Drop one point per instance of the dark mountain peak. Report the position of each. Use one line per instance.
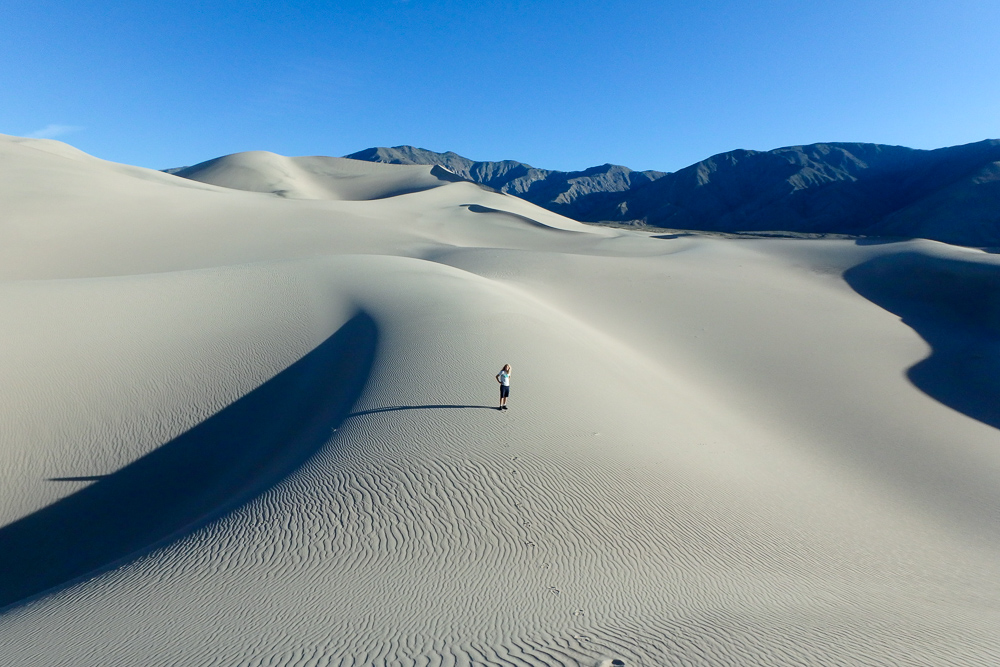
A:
(606, 168)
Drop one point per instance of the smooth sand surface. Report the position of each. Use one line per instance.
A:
(250, 419)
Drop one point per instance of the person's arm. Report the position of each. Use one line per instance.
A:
(498, 378)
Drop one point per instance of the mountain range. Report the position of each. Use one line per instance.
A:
(948, 194)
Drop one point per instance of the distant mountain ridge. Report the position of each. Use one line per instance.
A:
(569, 193)
(949, 194)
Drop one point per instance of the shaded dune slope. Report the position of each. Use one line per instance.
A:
(212, 468)
(955, 306)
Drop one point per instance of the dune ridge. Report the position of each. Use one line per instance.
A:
(718, 452)
(314, 177)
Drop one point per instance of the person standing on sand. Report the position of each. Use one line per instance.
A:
(503, 377)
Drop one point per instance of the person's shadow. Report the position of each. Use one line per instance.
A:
(421, 407)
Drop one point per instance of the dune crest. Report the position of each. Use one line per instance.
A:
(315, 177)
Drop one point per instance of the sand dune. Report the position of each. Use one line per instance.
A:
(243, 429)
(315, 177)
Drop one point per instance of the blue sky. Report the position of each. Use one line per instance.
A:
(562, 85)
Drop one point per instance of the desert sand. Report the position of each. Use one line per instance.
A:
(250, 419)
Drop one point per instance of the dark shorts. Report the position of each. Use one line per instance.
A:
(504, 391)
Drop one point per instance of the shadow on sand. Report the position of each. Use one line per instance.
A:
(954, 305)
(420, 407)
(198, 476)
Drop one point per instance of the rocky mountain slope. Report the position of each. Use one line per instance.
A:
(949, 194)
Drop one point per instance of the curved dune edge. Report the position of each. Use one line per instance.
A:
(523, 219)
(208, 470)
(952, 304)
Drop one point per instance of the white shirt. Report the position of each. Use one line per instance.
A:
(504, 378)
